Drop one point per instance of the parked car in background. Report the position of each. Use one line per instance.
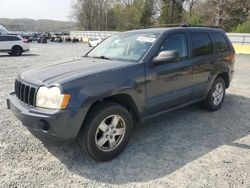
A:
(13, 45)
(93, 42)
(129, 77)
(27, 36)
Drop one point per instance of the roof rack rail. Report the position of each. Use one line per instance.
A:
(163, 25)
(208, 26)
(179, 25)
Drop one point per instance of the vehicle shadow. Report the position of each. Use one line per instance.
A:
(162, 146)
(23, 55)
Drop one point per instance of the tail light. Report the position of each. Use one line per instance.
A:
(25, 41)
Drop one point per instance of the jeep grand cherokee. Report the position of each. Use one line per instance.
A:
(129, 77)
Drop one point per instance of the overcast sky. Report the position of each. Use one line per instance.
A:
(36, 9)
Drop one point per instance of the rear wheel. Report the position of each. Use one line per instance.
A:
(106, 132)
(17, 51)
(216, 95)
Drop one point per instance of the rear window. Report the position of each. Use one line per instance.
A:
(202, 44)
(220, 43)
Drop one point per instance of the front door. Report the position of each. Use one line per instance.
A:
(169, 84)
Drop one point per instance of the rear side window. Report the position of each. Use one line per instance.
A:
(202, 44)
(11, 38)
(220, 43)
(177, 42)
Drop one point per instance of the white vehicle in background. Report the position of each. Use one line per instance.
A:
(13, 45)
(93, 42)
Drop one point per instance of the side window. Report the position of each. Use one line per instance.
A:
(176, 42)
(220, 43)
(6, 38)
(15, 38)
(11, 38)
(202, 44)
(2, 38)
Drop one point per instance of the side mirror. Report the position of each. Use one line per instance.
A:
(167, 56)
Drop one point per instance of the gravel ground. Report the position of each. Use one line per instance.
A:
(189, 147)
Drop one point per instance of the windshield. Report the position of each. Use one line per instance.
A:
(3, 30)
(130, 46)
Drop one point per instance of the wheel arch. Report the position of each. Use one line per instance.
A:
(16, 45)
(122, 99)
(225, 76)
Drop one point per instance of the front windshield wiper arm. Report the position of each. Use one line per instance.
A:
(102, 57)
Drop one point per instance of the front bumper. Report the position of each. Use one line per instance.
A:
(50, 126)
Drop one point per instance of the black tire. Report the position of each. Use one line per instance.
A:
(209, 103)
(87, 136)
(17, 51)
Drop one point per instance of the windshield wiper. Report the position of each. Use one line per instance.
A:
(102, 57)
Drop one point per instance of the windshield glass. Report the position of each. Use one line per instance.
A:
(3, 30)
(130, 46)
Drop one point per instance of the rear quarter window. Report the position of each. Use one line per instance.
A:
(202, 44)
(220, 43)
(11, 38)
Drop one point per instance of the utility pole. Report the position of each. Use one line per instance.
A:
(172, 12)
(106, 20)
(106, 11)
(220, 9)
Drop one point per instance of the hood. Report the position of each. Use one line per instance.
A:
(66, 71)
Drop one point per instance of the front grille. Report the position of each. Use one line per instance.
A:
(25, 93)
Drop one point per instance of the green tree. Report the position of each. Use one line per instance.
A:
(194, 21)
(226, 14)
(147, 13)
(243, 28)
(128, 15)
(171, 11)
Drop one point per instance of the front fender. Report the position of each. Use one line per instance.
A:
(87, 90)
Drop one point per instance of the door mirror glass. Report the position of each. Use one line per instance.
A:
(167, 56)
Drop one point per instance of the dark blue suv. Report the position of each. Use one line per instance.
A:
(129, 77)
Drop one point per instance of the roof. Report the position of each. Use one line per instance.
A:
(163, 29)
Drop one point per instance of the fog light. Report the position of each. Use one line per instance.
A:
(44, 125)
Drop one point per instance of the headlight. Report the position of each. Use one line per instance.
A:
(51, 98)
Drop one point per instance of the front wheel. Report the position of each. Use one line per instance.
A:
(106, 132)
(216, 95)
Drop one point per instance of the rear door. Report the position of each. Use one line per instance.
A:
(4, 45)
(202, 61)
(8, 42)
